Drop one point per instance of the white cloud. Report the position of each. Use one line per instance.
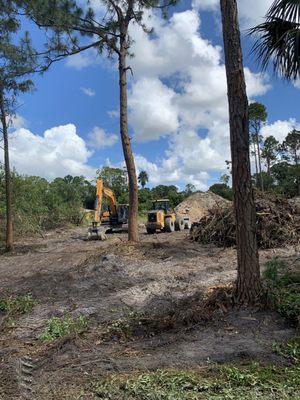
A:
(58, 152)
(152, 110)
(88, 91)
(179, 92)
(250, 13)
(16, 122)
(168, 172)
(99, 139)
(279, 129)
(84, 59)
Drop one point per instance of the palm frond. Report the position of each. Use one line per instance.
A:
(279, 39)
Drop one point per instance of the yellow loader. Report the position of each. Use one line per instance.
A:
(162, 218)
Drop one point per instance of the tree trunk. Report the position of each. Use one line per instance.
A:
(248, 273)
(8, 196)
(268, 161)
(256, 164)
(259, 162)
(133, 235)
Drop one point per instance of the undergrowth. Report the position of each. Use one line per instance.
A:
(289, 350)
(283, 289)
(218, 383)
(14, 305)
(60, 327)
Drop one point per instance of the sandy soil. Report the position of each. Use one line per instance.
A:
(109, 280)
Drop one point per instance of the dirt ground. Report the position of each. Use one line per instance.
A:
(106, 281)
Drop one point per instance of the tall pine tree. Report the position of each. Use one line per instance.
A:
(76, 29)
(16, 61)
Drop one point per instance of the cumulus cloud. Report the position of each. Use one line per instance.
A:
(279, 129)
(58, 152)
(152, 109)
(16, 122)
(83, 59)
(99, 139)
(249, 15)
(179, 92)
(88, 91)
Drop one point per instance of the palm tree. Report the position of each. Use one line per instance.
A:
(279, 39)
(143, 178)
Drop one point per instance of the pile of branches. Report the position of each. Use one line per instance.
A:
(277, 224)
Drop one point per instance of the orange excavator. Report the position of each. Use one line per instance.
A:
(107, 221)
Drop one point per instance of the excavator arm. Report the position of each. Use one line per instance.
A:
(99, 199)
(109, 195)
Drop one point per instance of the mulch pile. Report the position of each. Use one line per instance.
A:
(198, 205)
(278, 224)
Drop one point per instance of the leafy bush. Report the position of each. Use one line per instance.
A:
(60, 327)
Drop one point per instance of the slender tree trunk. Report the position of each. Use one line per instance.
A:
(268, 166)
(133, 235)
(256, 164)
(248, 273)
(9, 224)
(259, 162)
(298, 177)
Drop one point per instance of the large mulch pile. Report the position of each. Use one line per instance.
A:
(198, 205)
(278, 224)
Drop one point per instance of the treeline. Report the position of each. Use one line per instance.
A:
(277, 167)
(39, 205)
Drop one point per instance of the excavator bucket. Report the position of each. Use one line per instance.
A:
(96, 233)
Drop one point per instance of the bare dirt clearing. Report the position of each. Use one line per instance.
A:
(114, 281)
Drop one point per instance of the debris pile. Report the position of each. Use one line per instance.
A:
(278, 224)
(198, 205)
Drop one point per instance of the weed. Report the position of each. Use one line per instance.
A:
(213, 383)
(17, 305)
(283, 289)
(290, 350)
(272, 267)
(60, 327)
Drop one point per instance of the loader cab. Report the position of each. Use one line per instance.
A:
(161, 204)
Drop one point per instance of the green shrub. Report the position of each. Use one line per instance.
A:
(59, 327)
(17, 305)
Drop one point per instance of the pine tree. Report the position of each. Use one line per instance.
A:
(108, 34)
(16, 61)
(248, 272)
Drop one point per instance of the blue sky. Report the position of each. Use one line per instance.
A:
(177, 104)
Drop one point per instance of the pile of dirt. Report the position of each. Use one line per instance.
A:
(278, 224)
(198, 205)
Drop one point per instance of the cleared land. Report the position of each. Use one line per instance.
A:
(142, 308)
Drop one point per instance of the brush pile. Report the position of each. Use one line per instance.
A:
(278, 224)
